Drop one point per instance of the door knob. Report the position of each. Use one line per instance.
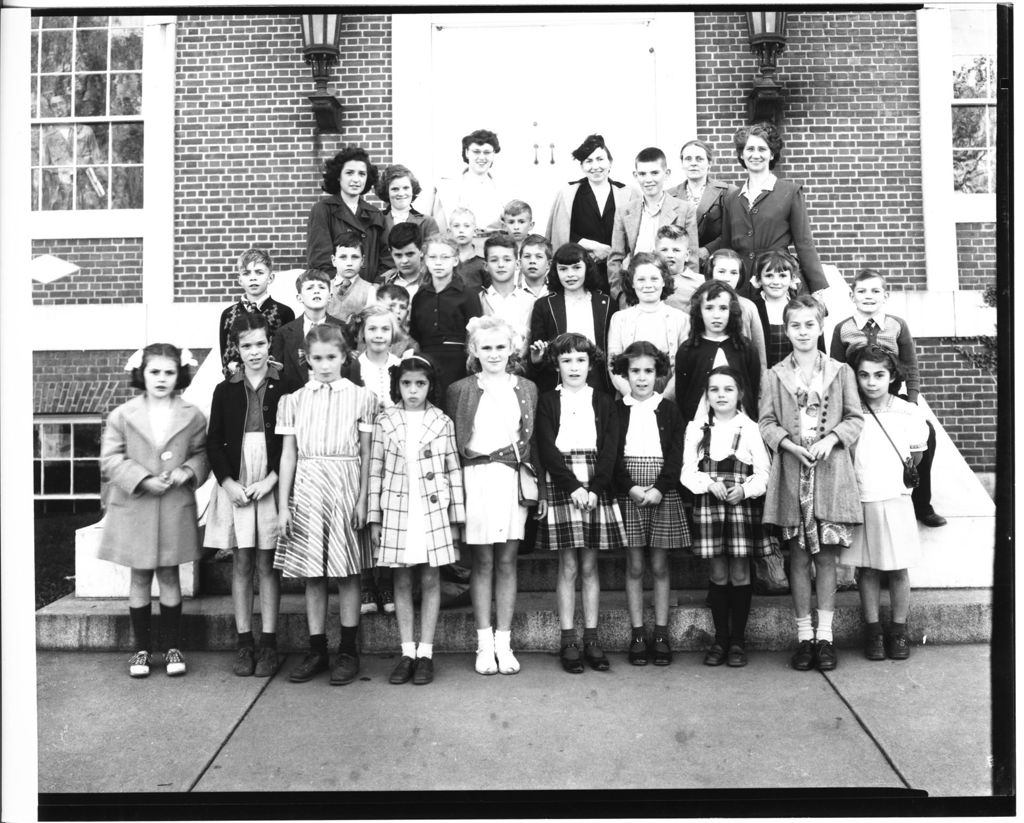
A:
(552, 154)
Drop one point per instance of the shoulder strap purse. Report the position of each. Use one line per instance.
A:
(911, 477)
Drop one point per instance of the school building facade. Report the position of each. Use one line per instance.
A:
(202, 143)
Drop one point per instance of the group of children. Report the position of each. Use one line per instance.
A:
(397, 422)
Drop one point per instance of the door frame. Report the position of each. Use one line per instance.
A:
(414, 91)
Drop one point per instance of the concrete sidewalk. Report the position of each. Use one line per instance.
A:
(921, 724)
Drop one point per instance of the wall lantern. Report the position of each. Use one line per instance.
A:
(767, 34)
(321, 34)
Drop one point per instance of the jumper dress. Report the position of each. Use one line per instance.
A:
(723, 528)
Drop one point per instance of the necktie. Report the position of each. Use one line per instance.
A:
(871, 330)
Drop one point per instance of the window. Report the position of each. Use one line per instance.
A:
(87, 125)
(66, 458)
(974, 100)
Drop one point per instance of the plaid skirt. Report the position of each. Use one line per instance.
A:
(664, 526)
(571, 528)
(723, 528)
(812, 533)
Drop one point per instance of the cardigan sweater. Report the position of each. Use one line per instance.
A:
(549, 320)
(227, 425)
(549, 418)
(893, 336)
(670, 432)
(464, 400)
(836, 497)
(694, 363)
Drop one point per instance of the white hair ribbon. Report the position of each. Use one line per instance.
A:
(135, 361)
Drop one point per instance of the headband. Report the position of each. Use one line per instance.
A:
(410, 354)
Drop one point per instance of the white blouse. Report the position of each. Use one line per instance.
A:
(577, 426)
(497, 419)
(579, 316)
(875, 461)
(642, 438)
(377, 379)
(751, 450)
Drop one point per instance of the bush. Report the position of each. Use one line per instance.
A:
(55, 554)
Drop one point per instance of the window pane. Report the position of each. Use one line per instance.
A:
(87, 439)
(90, 95)
(92, 187)
(55, 439)
(969, 126)
(35, 53)
(51, 87)
(126, 94)
(971, 172)
(57, 477)
(35, 189)
(974, 30)
(126, 49)
(87, 477)
(57, 190)
(992, 118)
(126, 143)
(129, 22)
(86, 21)
(37, 477)
(92, 51)
(34, 145)
(127, 188)
(58, 22)
(34, 104)
(971, 76)
(56, 47)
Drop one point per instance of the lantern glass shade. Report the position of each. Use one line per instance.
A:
(766, 26)
(321, 32)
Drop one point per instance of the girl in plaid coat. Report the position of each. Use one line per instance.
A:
(415, 505)
(577, 444)
(726, 465)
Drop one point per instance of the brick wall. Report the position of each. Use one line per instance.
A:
(248, 162)
(83, 382)
(976, 254)
(110, 271)
(963, 398)
(851, 127)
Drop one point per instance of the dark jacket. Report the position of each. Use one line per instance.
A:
(693, 364)
(287, 348)
(670, 432)
(549, 415)
(330, 218)
(709, 213)
(548, 321)
(227, 425)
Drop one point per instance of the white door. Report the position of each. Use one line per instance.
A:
(542, 83)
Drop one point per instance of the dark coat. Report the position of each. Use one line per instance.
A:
(330, 218)
(710, 211)
(288, 349)
(548, 321)
(693, 364)
(670, 433)
(549, 417)
(228, 411)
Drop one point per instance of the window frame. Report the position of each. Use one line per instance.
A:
(73, 420)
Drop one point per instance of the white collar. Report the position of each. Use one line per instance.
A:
(768, 186)
(335, 385)
(577, 398)
(861, 319)
(649, 404)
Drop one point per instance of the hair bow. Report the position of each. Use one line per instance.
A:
(188, 359)
(135, 361)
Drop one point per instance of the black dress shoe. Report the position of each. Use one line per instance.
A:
(424, 673)
(825, 656)
(803, 660)
(312, 664)
(402, 673)
(572, 660)
(874, 647)
(638, 653)
(932, 519)
(899, 647)
(715, 655)
(346, 668)
(737, 656)
(661, 651)
(595, 657)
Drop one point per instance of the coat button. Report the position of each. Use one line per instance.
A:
(754, 210)
(429, 476)
(433, 498)
(427, 453)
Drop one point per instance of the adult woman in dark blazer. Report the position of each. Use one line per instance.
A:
(551, 317)
(774, 216)
(704, 193)
(584, 210)
(345, 210)
(397, 188)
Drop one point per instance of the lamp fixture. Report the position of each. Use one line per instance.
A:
(321, 34)
(766, 31)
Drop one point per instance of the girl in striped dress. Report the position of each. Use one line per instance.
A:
(647, 479)
(725, 465)
(325, 466)
(577, 443)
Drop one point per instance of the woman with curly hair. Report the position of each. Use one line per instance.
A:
(347, 177)
(475, 189)
(397, 188)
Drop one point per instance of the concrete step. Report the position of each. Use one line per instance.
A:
(936, 616)
(537, 573)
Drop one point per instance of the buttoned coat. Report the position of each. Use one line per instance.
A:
(142, 530)
(440, 485)
(288, 349)
(627, 228)
(836, 497)
(709, 212)
(330, 218)
(777, 219)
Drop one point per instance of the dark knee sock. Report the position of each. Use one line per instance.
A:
(568, 636)
(898, 628)
(739, 611)
(661, 631)
(142, 621)
(874, 629)
(589, 636)
(638, 634)
(246, 639)
(318, 644)
(348, 640)
(170, 627)
(718, 600)
(268, 640)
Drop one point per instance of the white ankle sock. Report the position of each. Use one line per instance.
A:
(824, 625)
(425, 650)
(485, 638)
(409, 649)
(803, 629)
